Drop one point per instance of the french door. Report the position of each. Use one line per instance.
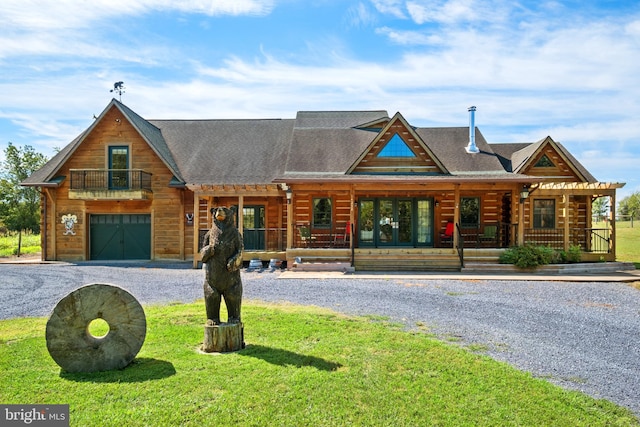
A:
(396, 222)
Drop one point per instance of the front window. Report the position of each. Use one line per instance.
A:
(470, 211)
(322, 212)
(544, 213)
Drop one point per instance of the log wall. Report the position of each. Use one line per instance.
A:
(165, 206)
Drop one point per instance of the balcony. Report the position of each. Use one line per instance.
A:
(110, 184)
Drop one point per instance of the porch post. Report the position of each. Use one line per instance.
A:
(290, 202)
(612, 221)
(182, 226)
(196, 228)
(240, 224)
(521, 205)
(352, 216)
(565, 199)
(456, 214)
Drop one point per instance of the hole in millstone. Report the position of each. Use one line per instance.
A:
(98, 328)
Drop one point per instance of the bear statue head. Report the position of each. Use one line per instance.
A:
(223, 216)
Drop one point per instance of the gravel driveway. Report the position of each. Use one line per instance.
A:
(582, 336)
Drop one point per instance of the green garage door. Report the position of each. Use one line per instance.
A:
(115, 237)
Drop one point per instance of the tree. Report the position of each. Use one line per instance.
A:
(630, 205)
(20, 208)
(600, 207)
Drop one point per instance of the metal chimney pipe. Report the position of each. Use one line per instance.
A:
(472, 148)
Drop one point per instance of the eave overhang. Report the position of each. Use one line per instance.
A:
(487, 178)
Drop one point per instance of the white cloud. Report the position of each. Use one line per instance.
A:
(391, 7)
(360, 16)
(576, 82)
(410, 37)
(67, 14)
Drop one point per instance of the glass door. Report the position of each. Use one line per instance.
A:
(387, 225)
(253, 231)
(404, 222)
(366, 223)
(118, 159)
(396, 222)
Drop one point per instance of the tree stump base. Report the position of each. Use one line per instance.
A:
(223, 338)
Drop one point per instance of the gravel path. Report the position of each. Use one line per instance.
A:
(582, 336)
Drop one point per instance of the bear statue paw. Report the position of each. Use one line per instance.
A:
(213, 322)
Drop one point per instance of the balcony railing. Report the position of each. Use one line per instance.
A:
(110, 179)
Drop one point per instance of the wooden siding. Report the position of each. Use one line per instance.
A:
(165, 206)
(496, 201)
(422, 163)
(561, 171)
(275, 212)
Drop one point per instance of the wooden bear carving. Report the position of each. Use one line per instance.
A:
(222, 256)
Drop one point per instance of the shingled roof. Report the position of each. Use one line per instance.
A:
(315, 145)
(228, 151)
(46, 176)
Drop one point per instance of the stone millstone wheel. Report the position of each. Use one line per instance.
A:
(75, 349)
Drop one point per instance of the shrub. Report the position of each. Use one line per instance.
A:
(572, 255)
(531, 256)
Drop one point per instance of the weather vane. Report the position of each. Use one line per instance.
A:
(118, 87)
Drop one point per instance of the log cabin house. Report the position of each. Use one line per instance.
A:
(357, 187)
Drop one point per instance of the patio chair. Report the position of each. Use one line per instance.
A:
(305, 236)
(343, 239)
(490, 234)
(447, 236)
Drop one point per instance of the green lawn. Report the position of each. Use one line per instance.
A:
(302, 366)
(628, 242)
(9, 244)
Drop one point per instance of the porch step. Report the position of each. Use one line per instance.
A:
(482, 256)
(323, 266)
(577, 268)
(434, 260)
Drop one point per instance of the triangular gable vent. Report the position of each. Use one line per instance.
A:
(396, 147)
(544, 162)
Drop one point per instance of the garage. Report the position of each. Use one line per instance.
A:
(120, 237)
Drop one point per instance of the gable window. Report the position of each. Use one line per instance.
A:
(544, 213)
(544, 162)
(469, 211)
(396, 147)
(322, 212)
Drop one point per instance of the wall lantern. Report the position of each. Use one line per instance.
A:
(524, 194)
(289, 194)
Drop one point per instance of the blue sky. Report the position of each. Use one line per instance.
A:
(568, 69)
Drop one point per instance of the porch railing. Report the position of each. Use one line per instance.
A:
(334, 237)
(110, 179)
(593, 240)
(489, 235)
(460, 247)
(257, 239)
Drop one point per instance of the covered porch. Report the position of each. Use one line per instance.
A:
(406, 229)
